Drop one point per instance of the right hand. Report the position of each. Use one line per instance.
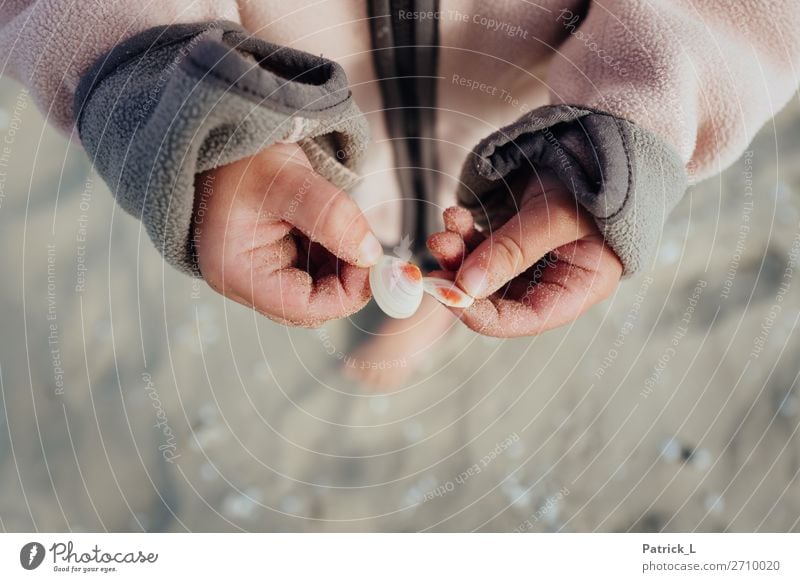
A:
(541, 269)
(279, 238)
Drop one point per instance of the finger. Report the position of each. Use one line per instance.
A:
(460, 221)
(586, 273)
(291, 296)
(448, 249)
(259, 271)
(543, 223)
(230, 240)
(325, 214)
(522, 284)
(460, 236)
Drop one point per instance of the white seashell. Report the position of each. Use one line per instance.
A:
(446, 292)
(396, 287)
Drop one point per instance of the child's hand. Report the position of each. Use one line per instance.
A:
(272, 234)
(541, 269)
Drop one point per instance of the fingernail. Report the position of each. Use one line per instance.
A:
(474, 280)
(369, 251)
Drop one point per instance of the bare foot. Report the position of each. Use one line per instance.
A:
(388, 359)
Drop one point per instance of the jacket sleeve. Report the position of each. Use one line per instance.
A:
(646, 96)
(155, 108)
(48, 45)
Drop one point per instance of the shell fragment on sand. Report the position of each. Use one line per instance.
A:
(397, 287)
(446, 292)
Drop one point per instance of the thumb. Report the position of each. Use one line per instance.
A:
(299, 196)
(544, 223)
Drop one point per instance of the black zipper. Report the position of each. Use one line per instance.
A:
(405, 52)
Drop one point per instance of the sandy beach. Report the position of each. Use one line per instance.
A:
(136, 399)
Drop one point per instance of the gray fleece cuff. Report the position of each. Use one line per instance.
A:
(177, 100)
(627, 178)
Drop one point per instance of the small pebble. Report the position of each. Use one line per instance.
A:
(783, 192)
(701, 459)
(714, 503)
(207, 435)
(241, 505)
(671, 451)
(414, 495)
(669, 253)
(790, 406)
(551, 516)
(516, 493)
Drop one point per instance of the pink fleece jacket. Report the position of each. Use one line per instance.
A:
(705, 76)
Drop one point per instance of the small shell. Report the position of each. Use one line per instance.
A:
(396, 287)
(447, 292)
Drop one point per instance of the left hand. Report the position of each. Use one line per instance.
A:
(542, 269)
(279, 238)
